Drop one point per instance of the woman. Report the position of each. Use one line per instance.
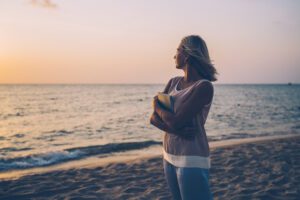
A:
(186, 150)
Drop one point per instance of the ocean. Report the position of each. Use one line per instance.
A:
(42, 125)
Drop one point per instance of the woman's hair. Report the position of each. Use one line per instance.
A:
(194, 46)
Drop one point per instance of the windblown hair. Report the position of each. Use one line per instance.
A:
(198, 57)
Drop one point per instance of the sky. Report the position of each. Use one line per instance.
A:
(134, 41)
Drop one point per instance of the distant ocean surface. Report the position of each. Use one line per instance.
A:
(42, 125)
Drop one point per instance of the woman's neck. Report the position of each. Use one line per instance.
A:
(191, 75)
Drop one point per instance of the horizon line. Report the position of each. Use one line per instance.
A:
(253, 83)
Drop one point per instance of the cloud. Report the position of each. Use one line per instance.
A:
(44, 3)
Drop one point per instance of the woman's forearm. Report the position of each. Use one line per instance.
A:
(157, 122)
(167, 117)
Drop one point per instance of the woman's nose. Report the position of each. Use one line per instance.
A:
(174, 57)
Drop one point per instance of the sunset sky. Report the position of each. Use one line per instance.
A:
(134, 41)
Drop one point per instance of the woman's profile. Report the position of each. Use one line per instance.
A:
(186, 150)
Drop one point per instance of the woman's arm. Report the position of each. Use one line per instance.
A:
(201, 95)
(157, 122)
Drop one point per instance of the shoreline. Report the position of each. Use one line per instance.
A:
(265, 169)
(127, 156)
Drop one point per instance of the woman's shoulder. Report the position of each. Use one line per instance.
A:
(204, 86)
(204, 83)
(174, 80)
(202, 90)
(171, 84)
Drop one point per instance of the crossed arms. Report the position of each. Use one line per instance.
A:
(177, 123)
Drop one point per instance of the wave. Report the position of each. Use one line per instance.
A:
(51, 158)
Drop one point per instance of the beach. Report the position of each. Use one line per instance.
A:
(262, 169)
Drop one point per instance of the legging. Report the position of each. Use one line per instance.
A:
(187, 183)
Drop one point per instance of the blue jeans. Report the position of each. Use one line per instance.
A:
(187, 183)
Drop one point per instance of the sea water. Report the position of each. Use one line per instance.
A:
(42, 125)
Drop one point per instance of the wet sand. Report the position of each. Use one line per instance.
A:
(267, 169)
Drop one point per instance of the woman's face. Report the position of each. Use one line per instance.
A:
(179, 58)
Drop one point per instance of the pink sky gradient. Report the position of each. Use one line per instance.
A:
(134, 41)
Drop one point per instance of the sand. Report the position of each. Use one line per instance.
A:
(259, 170)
